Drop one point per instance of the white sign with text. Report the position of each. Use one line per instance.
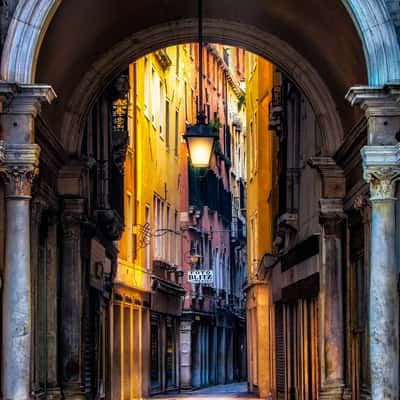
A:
(201, 276)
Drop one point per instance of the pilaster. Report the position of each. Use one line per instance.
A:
(331, 299)
(72, 283)
(185, 332)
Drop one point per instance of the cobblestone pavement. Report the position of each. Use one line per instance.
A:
(220, 392)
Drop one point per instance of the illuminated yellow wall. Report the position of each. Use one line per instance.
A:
(261, 206)
(152, 163)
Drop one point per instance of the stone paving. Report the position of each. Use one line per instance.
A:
(220, 392)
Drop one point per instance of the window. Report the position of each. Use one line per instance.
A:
(168, 236)
(154, 94)
(129, 229)
(192, 105)
(177, 60)
(176, 132)
(176, 236)
(251, 149)
(167, 124)
(159, 224)
(161, 106)
(186, 101)
(148, 249)
(255, 150)
(146, 86)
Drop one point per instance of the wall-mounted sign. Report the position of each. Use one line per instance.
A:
(201, 276)
(120, 115)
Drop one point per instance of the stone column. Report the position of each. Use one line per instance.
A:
(19, 104)
(19, 169)
(332, 359)
(381, 160)
(382, 171)
(185, 332)
(71, 299)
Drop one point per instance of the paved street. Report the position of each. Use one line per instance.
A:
(231, 391)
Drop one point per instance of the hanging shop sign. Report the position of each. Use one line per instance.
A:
(201, 276)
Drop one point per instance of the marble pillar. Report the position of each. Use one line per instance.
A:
(185, 333)
(382, 171)
(332, 219)
(19, 168)
(20, 103)
(72, 283)
(381, 165)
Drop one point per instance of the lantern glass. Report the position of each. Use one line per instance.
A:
(200, 149)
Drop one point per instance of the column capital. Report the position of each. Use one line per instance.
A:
(381, 166)
(24, 98)
(20, 165)
(331, 215)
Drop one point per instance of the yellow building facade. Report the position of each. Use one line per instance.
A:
(149, 251)
(261, 210)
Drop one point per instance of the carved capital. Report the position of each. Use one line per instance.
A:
(20, 166)
(38, 206)
(381, 170)
(331, 215)
(363, 205)
(72, 217)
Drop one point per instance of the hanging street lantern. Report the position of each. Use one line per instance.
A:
(200, 138)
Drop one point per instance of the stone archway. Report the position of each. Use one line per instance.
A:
(33, 22)
(33, 17)
(252, 39)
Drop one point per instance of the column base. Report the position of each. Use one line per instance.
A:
(334, 391)
(347, 394)
(186, 388)
(73, 392)
(54, 394)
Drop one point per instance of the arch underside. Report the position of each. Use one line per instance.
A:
(325, 47)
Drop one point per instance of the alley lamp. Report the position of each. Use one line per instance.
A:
(200, 138)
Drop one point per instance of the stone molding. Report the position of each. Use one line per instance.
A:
(381, 106)
(381, 166)
(376, 101)
(24, 98)
(333, 179)
(19, 168)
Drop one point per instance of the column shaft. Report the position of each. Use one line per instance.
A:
(18, 171)
(17, 322)
(384, 303)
